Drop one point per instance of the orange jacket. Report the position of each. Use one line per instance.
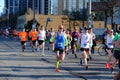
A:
(23, 36)
(33, 35)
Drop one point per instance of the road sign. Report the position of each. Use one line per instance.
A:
(48, 20)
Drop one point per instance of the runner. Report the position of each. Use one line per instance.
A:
(85, 46)
(104, 40)
(6, 33)
(92, 37)
(59, 46)
(15, 33)
(41, 39)
(75, 35)
(116, 43)
(23, 37)
(33, 35)
(92, 43)
(51, 39)
(109, 49)
(68, 40)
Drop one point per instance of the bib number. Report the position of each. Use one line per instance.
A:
(60, 44)
(85, 44)
(75, 39)
(109, 43)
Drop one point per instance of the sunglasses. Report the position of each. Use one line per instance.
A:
(111, 32)
(60, 28)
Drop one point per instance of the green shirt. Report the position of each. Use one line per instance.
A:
(115, 39)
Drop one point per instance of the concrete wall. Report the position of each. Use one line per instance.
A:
(57, 20)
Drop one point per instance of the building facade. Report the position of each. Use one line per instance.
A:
(71, 5)
(58, 6)
(12, 6)
(41, 6)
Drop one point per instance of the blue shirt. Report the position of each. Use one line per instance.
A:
(60, 40)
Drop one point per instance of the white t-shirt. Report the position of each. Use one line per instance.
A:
(85, 40)
(109, 41)
(92, 37)
(41, 35)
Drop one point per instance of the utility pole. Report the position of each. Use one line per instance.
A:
(34, 21)
(33, 1)
(90, 20)
(83, 14)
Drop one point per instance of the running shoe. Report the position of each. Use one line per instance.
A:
(57, 69)
(72, 51)
(112, 70)
(107, 65)
(22, 50)
(86, 67)
(48, 48)
(75, 55)
(32, 50)
(67, 53)
(80, 61)
(43, 54)
(90, 57)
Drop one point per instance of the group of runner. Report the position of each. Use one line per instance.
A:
(61, 42)
(9, 33)
(37, 38)
(64, 40)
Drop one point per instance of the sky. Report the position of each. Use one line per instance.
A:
(1, 6)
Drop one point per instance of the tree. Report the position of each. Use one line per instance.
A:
(75, 15)
(83, 15)
(80, 15)
(108, 10)
(99, 16)
(111, 5)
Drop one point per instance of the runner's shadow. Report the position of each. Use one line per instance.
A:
(30, 70)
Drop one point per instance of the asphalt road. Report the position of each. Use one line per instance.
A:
(28, 65)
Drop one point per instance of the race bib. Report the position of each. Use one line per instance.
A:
(75, 39)
(85, 44)
(110, 44)
(60, 44)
